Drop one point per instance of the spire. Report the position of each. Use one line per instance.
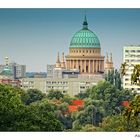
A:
(85, 24)
(63, 61)
(58, 60)
(58, 63)
(111, 57)
(107, 57)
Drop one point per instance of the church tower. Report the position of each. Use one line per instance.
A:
(109, 63)
(58, 63)
(63, 62)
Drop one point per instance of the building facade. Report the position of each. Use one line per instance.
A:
(131, 55)
(70, 86)
(85, 52)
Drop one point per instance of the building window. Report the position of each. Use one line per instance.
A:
(126, 79)
(127, 51)
(132, 50)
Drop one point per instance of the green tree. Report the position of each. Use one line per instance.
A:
(135, 76)
(111, 96)
(10, 107)
(55, 94)
(16, 116)
(67, 98)
(132, 115)
(38, 117)
(32, 95)
(89, 128)
(82, 95)
(114, 78)
(113, 123)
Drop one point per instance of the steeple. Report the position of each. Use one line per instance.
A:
(58, 63)
(63, 61)
(58, 60)
(111, 57)
(107, 60)
(85, 24)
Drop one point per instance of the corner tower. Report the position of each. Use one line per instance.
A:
(85, 52)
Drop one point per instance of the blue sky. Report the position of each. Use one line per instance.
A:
(34, 36)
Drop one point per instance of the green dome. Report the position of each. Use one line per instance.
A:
(7, 71)
(85, 38)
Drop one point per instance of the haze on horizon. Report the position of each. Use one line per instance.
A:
(34, 36)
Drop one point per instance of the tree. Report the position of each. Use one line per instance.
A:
(89, 128)
(16, 116)
(114, 78)
(32, 95)
(135, 76)
(55, 94)
(128, 120)
(111, 96)
(38, 117)
(132, 115)
(113, 123)
(117, 80)
(10, 107)
(67, 98)
(82, 95)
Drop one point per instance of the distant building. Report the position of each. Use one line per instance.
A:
(131, 55)
(50, 70)
(14, 83)
(13, 70)
(40, 75)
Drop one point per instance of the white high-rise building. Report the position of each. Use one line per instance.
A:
(131, 55)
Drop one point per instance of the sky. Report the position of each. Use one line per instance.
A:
(34, 36)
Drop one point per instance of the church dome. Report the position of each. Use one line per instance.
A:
(85, 38)
(7, 71)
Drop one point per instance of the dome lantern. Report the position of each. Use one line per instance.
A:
(85, 24)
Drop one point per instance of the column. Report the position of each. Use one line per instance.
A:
(93, 66)
(77, 65)
(89, 68)
(81, 68)
(73, 64)
(85, 66)
(67, 62)
(70, 64)
(99, 65)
